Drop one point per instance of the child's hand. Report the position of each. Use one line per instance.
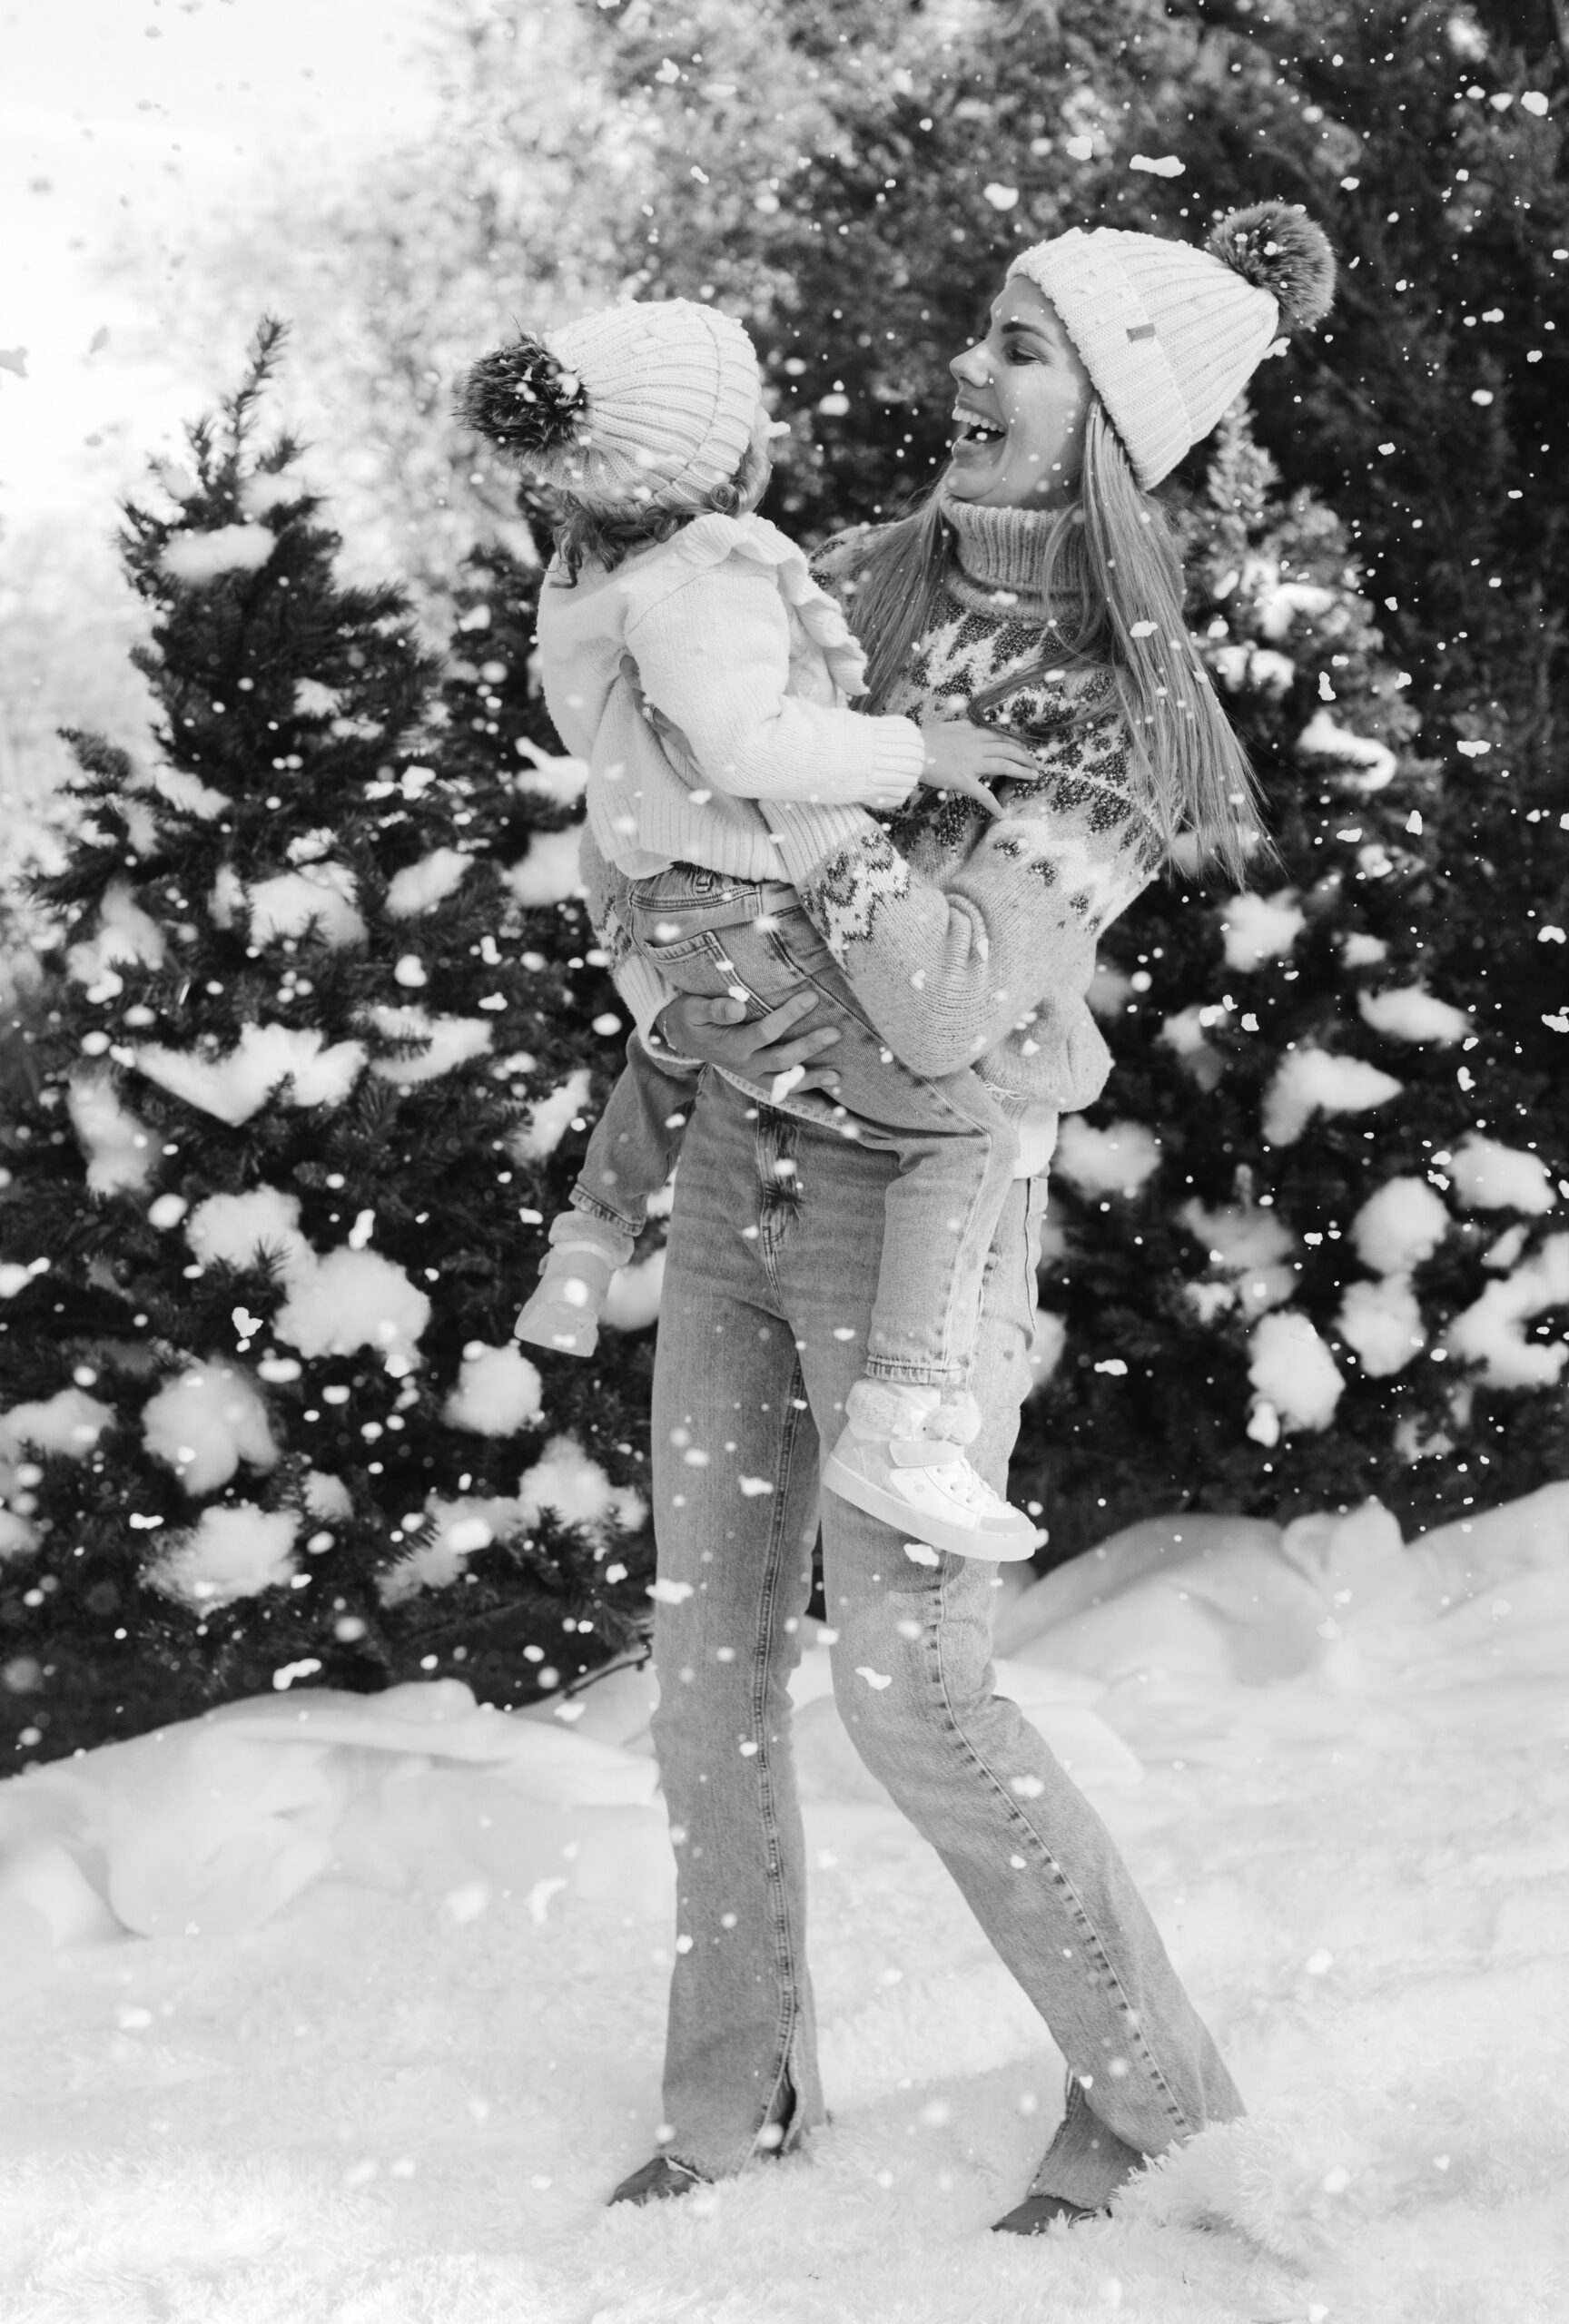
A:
(959, 757)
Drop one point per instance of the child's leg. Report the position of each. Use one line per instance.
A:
(902, 1455)
(914, 1414)
(628, 1160)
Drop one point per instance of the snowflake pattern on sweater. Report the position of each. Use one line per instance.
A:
(970, 940)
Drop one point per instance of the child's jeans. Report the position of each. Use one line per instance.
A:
(714, 936)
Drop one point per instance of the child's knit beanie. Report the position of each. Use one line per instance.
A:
(1170, 334)
(647, 405)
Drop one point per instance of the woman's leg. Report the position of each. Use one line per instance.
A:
(1035, 1862)
(735, 1479)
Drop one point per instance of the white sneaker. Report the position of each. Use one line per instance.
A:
(927, 1489)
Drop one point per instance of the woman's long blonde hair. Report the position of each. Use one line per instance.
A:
(1110, 565)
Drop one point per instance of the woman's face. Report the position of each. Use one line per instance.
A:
(1023, 392)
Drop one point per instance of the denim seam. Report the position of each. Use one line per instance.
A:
(761, 1663)
(1017, 1817)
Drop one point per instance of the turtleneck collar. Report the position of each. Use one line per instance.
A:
(999, 553)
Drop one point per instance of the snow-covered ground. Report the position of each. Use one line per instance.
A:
(349, 2012)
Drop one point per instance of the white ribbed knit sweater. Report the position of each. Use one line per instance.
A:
(702, 676)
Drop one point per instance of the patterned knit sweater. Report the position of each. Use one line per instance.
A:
(971, 941)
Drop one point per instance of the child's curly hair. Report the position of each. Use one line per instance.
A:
(587, 535)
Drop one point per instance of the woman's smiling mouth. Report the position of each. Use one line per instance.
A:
(976, 432)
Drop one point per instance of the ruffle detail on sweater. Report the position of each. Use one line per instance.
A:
(712, 539)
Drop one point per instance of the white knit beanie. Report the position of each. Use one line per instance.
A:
(1170, 334)
(647, 405)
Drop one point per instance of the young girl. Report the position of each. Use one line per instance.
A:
(688, 657)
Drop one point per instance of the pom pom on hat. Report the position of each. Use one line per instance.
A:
(1280, 250)
(524, 398)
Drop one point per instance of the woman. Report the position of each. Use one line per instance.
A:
(1037, 591)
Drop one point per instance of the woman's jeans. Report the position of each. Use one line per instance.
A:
(952, 1141)
(769, 1281)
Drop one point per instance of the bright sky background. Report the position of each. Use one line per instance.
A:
(139, 116)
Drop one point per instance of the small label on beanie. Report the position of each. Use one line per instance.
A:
(1140, 330)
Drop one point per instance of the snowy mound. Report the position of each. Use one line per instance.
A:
(338, 2007)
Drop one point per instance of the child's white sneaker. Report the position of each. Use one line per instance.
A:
(901, 1458)
(563, 1313)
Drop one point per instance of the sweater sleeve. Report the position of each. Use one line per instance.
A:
(945, 968)
(713, 658)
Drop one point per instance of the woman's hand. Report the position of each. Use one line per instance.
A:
(767, 1051)
(959, 757)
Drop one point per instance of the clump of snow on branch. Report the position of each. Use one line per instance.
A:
(204, 1422)
(448, 1041)
(1114, 1160)
(1491, 1332)
(1311, 1081)
(549, 1117)
(353, 1299)
(420, 886)
(124, 932)
(70, 1423)
(186, 791)
(1411, 1013)
(632, 1302)
(562, 780)
(1254, 669)
(325, 1495)
(1397, 1229)
(234, 1087)
(1399, 1226)
(459, 1528)
(118, 1148)
(239, 1229)
(1280, 602)
(319, 895)
(199, 557)
(312, 699)
(564, 1479)
(1252, 1246)
(549, 873)
(267, 489)
(1297, 1383)
(1489, 1176)
(1383, 1321)
(175, 478)
(498, 1391)
(1362, 761)
(1261, 928)
(231, 1551)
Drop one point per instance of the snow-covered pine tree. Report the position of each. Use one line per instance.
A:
(501, 751)
(1285, 1262)
(260, 1415)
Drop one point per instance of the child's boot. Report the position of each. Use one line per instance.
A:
(901, 1458)
(563, 1313)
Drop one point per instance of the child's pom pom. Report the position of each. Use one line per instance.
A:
(522, 398)
(1280, 248)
